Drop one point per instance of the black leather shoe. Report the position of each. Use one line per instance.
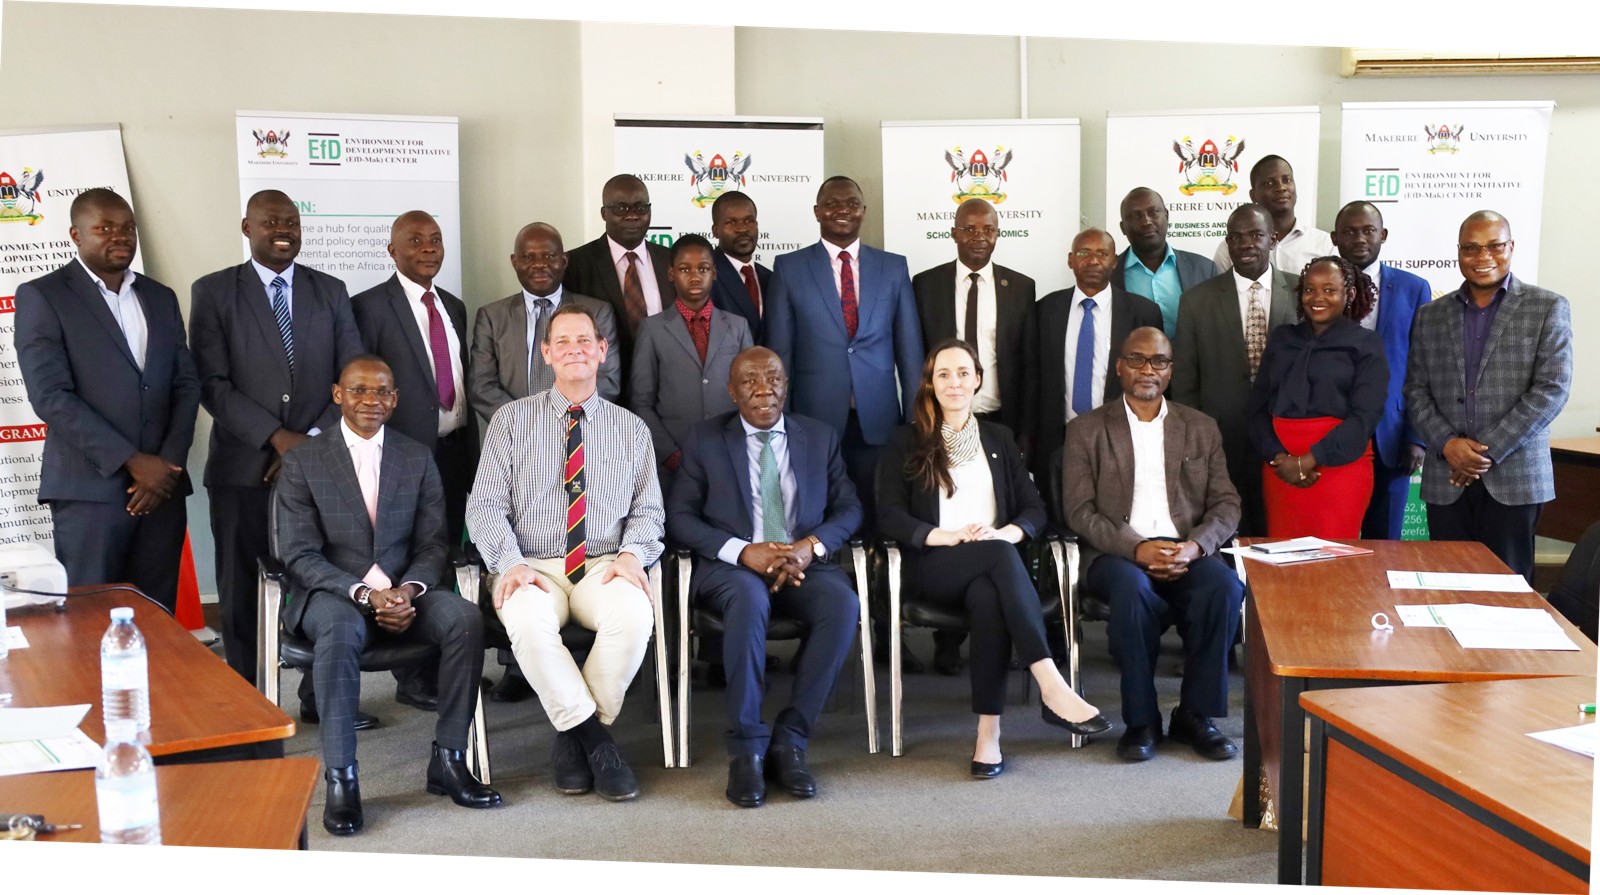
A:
(787, 765)
(448, 775)
(364, 721)
(946, 656)
(1097, 724)
(341, 814)
(983, 770)
(1138, 743)
(513, 687)
(417, 696)
(747, 785)
(909, 663)
(613, 779)
(569, 767)
(1198, 731)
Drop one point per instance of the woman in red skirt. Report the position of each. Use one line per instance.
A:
(1316, 400)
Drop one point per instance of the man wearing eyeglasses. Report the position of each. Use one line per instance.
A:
(1069, 355)
(1145, 486)
(1490, 368)
(621, 267)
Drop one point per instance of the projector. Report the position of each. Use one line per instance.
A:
(31, 567)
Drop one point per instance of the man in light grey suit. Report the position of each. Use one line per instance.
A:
(683, 354)
(506, 364)
(1213, 361)
(1490, 368)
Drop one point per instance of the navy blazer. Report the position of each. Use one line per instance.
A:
(389, 330)
(805, 326)
(1400, 294)
(728, 292)
(711, 496)
(244, 376)
(908, 512)
(99, 406)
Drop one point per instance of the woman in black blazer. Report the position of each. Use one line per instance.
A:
(953, 491)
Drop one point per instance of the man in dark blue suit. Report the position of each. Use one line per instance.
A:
(1358, 234)
(741, 283)
(763, 500)
(107, 368)
(842, 316)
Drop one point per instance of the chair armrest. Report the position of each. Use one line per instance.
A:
(271, 568)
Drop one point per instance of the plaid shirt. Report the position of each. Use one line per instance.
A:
(518, 508)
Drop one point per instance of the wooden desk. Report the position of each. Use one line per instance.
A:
(1309, 626)
(1577, 475)
(1438, 787)
(199, 708)
(229, 804)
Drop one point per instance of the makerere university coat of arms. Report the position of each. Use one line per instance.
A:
(978, 177)
(20, 199)
(711, 181)
(1208, 170)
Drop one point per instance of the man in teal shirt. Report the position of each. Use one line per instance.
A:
(1150, 267)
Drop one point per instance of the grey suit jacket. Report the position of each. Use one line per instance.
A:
(668, 386)
(245, 382)
(323, 536)
(500, 352)
(1097, 480)
(1523, 382)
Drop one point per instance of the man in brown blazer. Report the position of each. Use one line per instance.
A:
(1145, 487)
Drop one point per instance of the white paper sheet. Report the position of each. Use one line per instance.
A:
(1580, 739)
(15, 638)
(40, 723)
(1500, 584)
(1417, 617)
(66, 753)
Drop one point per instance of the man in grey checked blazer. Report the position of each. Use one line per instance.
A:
(1490, 368)
(364, 547)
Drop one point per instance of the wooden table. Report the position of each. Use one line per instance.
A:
(1439, 787)
(229, 804)
(1576, 463)
(1309, 626)
(199, 708)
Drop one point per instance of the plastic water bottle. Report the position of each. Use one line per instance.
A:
(125, 788)
(124, 672)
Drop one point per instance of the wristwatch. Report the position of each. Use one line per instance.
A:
(363, 599)
(817, 550)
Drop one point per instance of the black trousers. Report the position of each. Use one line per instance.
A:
(339, 631)
(988, 578)
(1506, 529)
(861, 465)
(456, 456)
(100, 543)
(1386, 512)
(239, 518)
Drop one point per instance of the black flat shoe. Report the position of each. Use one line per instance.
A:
(448, 775)
(983, 770)
(1138, 743)
(513, 687)
(341, 814)
(417, 698)
(1097, 724)
(1201, 733)
(747, 785)
(364, 721)
(787, 765)
(569, 767)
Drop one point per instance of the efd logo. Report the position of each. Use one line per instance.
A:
(711, 181)
(1208, 171)
(977, 177)
(19, 201)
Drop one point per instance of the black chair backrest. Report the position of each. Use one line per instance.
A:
(1577, 594)
(1052, 495)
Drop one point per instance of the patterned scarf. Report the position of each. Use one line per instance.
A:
(961, 447)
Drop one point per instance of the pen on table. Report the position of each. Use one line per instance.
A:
(1586, 707)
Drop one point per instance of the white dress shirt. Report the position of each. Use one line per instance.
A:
(647, 272)
(267, 276)
(1102, 345)
(1292, 253)
(786, 486)
(456, 417)
(987, 400)
(1374, 272)
(1242, 286)
(973, 503)
(129, 314)
(855, 266)
(1150, 515)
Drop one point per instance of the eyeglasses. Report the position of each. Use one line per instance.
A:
(362, 394)
(1086, 254)
(1157, 362)
(1495, 248)
(985, 232)
(628, 209)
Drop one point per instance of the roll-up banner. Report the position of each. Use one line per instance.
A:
(1427, 165)
(686, 163)
(1027, 169)
(351, 176)
(41, 170)
(1199, 161)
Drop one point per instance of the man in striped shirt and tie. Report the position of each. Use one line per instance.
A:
(567, 513)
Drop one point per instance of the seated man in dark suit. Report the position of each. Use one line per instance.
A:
(360, 516)
(1145, 486)
(763, 499)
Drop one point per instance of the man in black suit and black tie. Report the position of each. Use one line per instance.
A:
(360, 517)
(107, 368)
(269, 339)
(741, 284)
(620, 266)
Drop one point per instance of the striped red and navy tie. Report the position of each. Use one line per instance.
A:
(577, 504)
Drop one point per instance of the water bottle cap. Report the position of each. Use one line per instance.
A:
(122, 614)
(122, 730)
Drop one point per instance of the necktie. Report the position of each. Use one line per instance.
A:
(280, 310)
(366, 460)
(439, 346)
(1083, 363)
(970, 331)
(700, 332)
(772, 527)
(577, 504)
(633, 293)
(540, 376)
(748, 271)
(847, 295)
(1255, 330)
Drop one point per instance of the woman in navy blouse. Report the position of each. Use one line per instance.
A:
(1315, 403)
